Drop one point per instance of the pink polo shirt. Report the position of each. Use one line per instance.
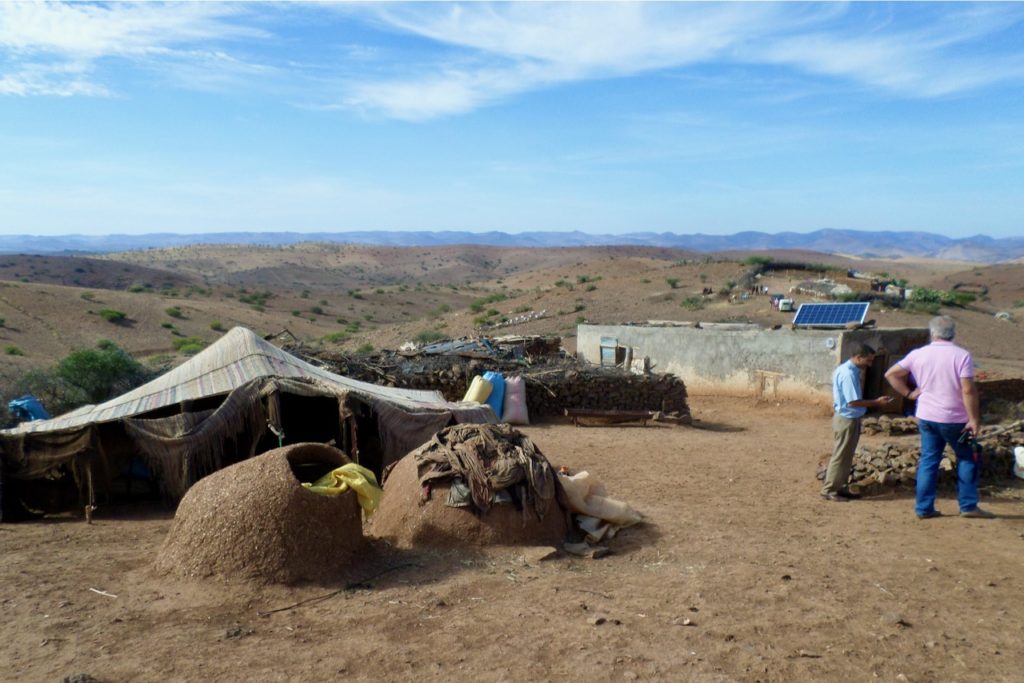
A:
(937, 370)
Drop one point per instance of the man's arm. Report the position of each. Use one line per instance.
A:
(897, 378)
(972, 403)
(870, 402)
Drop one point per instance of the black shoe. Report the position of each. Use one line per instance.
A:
(834, 498)
(930, 515)
(848, 495)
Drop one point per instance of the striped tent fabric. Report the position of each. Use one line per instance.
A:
(235, 359)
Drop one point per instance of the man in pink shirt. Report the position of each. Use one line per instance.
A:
(948, 412)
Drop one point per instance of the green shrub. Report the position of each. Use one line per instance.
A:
(692, 303)
(1019, 303)
(3, 321)
(928, 307)
(353, 327)
(673, 282)
(428, 336)
(88, 296)
(757, 260)
(365, 348)
(580, 319)
(167, 326)
(101, 373)
(579, 307)
(188, 345)
(13, 350)
(590, 288)
(521, 309)
(216, 326)
(316, 310)
(174, 312)
(135, 289)
(113, 316)
(336, 337)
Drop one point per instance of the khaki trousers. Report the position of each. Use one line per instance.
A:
(845, 435)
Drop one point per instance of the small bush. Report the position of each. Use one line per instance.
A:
(579, 307)
(3, 321)
(88, 296)
(590, 288)
(305, 294)
(174, 312)
(365, 348)
(673, 282)
(113, 316)
(316, 310)
(580, 319)
(296, 313)
(757, 260)
(1019, 303)
(521, 309)
(336, 337)
(13, 350)
(136, 289)
(692, 303)
(167, 326)
(216, 326)
(928, 307)
(428, 336)
(188, 345)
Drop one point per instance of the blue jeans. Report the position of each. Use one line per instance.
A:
(934, 437)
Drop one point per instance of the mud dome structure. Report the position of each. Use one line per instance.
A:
(254, 521)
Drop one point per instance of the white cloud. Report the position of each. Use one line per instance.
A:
(510, 48)
(49, 48)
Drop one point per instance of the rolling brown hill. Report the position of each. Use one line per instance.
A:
(359, 296)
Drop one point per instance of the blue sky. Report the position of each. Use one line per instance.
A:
(604, 118)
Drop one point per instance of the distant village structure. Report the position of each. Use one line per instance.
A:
(741, 359)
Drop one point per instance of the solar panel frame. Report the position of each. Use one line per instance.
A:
(831, 315)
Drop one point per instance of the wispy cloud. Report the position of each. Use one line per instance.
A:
(467, 56)
(49, 48)
(505, 49)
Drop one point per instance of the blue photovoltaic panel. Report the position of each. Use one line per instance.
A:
(830, 315)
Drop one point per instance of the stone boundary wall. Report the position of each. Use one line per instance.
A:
(551, 387)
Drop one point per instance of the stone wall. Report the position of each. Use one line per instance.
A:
(551, 385)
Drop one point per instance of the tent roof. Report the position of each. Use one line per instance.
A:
(236, 358)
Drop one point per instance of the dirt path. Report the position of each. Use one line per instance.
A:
(742, 573)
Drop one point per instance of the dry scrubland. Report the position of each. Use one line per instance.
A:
(741, 573)
(358, 297)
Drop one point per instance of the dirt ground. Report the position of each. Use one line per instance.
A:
(741, 573)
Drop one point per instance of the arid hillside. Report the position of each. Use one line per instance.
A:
(358, 297)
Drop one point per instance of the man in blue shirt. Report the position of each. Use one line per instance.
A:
(849, 408)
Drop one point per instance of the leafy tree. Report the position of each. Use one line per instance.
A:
(101, 373)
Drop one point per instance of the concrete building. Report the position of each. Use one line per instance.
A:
(749, 360)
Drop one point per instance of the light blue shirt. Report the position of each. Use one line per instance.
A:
(846, 388)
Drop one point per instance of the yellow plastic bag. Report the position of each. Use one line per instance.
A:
(350, 476)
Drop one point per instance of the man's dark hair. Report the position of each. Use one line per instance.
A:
(863, 350)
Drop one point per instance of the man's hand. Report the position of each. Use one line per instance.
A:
(883, 400)
(972, 427)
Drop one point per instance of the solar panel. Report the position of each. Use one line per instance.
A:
(830, 315)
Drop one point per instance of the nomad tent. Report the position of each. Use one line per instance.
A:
(237, 398)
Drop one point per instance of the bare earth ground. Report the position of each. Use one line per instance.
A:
(777, 585)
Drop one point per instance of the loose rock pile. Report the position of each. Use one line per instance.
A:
(895, 465)
(889, 425)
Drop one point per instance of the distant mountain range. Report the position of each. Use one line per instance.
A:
(888, 244)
